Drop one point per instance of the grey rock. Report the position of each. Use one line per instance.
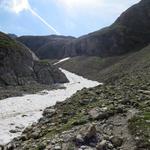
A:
(15, 131)
(87, 136)
(102, 145)
(41, 146)
(23, 137)
(57, 147)
(35, 135)
(87, 101)
(49, 112)
(98, 113)
(116, 141)
(79, 139)
(10, 146)
(91, 132)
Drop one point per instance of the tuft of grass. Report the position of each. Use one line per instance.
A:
(45, 62)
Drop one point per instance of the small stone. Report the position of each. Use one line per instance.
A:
(19, 127)
(41, 146)
(86, 101)
(10, 146)
(14, 131)
(83, 147)
(102, 145)
(12, 124)
(57, 147)
(116, 141)
(35, 135)
(79, 139)
(120, 109)
(24, 115)
(23, 137)
(137, 138)
(49, 112)
(147, 121)
(44, 92)
(110, 146)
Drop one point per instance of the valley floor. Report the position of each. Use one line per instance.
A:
(16, 113)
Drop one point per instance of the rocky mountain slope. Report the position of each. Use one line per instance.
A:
(20, 66)
(130, 32)
(113, 116)
(46, 46)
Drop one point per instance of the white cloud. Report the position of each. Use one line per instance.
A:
(15, 5)
(19, 5)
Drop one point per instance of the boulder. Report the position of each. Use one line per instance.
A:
(102, 145)
(98, 113)
(116, 141)
(87, 136)
(49, 112)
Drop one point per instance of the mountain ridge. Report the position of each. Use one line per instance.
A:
(38, 44)
(130, 32)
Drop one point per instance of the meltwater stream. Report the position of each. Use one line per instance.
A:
(16, 113)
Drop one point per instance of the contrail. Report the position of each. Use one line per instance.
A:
(20, 5)
(41, 19)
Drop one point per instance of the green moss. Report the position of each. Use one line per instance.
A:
(71, 146)
(40, 146)
(44, 61)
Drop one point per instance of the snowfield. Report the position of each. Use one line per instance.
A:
(16, 113)
(62, 60)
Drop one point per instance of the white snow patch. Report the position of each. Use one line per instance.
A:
(62, 60)
(23, 111)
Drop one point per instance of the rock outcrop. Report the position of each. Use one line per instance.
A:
(19, 66)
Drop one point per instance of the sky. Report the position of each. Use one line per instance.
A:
(61, 17)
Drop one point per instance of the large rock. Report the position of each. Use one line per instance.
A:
(116, 141)
(87, 136)
(48, 74)
(102, 145)
(98, 113)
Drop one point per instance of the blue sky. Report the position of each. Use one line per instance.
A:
(66, 17)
